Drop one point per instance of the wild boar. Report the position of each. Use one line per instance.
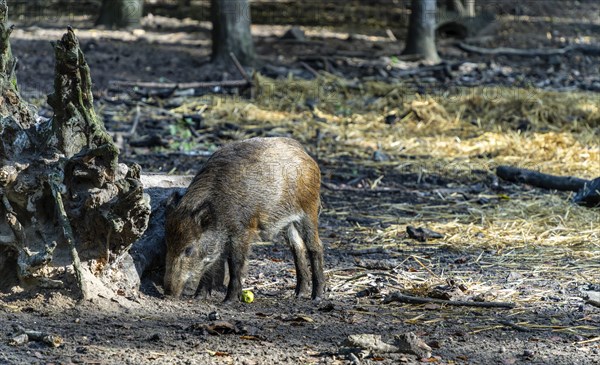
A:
(246, 190)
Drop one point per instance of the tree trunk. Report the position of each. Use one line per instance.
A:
(231, 31)
(421, 31)
(120, 13)
(65, 200)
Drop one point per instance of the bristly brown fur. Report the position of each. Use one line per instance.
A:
(257, 186)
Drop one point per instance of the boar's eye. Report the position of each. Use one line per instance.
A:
(189, 251)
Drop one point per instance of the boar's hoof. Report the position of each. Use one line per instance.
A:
(302, 292)
(231, 298)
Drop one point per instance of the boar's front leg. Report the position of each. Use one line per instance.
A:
(236, 260)
(298, 247)
(214, 279)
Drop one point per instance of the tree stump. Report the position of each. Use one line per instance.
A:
(68, 206)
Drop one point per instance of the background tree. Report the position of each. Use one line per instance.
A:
(231, 31)
(421, 30)
(120, 13)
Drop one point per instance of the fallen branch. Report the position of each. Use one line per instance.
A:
(505, 51)
(309, 69)
(238, 65)
(247, 81)
(423, 70)
(540, 180)
(399, 297)
(69, 237)
(518, 327)
(183, 85)
(588, 191)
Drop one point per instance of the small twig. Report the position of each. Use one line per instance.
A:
(238, 65)
(309, 69)
(136, 120)
(369, 251)
(425, 267)
(587, 341)
(391, 35)
(69, 237)
(517, 326)
(399, 297)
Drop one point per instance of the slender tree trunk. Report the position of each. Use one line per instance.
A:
(120, 13)
(421, 30)
(231, 31)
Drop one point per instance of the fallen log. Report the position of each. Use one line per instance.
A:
(540, 180)
(586, 49)
(588, 191)
(402, 298)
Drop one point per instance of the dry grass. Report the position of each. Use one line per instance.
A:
(469, 129)
(527, 232)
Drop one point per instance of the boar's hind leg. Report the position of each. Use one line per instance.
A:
(314, 246)
(236, 260)
(298, 247)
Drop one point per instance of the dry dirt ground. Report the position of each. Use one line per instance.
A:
(368, 252)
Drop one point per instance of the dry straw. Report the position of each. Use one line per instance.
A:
(523, 231)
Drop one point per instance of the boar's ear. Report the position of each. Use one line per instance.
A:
(172, 202)
(203, 214)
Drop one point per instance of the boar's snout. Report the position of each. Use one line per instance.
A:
(176, 287)
(182, 278)
(170, 287)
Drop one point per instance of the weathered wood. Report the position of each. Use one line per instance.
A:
(588, 191)
(589, 50)
(69, 237)
(589, 195)
(540, 180)
(399, 297)
(66, 199)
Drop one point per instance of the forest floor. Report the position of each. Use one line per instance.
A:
(397, 147)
